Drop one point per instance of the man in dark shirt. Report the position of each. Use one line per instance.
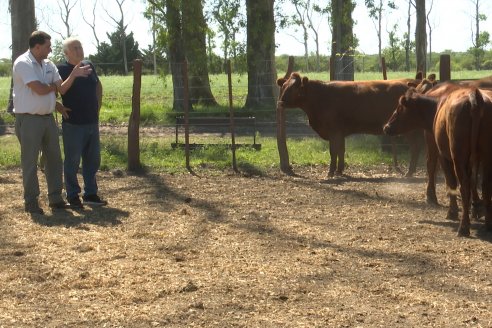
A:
(82, 96)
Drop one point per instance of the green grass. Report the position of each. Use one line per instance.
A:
(156, 153)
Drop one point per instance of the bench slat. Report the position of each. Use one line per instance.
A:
(216, 121)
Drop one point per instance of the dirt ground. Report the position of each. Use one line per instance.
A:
(225, 250)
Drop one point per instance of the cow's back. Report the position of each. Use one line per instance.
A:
(453, 124)
(353, 107)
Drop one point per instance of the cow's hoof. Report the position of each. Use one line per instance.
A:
(464, 231)
(331, 174)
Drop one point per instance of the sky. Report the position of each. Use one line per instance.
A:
(451, 21)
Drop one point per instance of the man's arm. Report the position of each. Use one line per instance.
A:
(99, 93)
(77, 71)
(42, 88)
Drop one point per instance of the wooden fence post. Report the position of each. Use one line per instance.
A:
(134, 122)
(331, 65)
(281, 129)
(186, 104)
(445, 68)
(231, 115)
(383, 67)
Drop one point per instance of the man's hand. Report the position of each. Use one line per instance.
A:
(62, 110)
(81, 70)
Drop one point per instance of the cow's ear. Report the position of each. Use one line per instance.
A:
(305, 81)
(281, 81)
(431, 77)
(419, 75)
(403, 99)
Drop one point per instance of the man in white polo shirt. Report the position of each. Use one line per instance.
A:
(35, 85)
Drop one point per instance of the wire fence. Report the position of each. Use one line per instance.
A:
(162, 100)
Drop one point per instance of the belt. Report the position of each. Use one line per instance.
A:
(35, 114)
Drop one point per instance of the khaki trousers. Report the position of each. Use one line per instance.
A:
(39, 133)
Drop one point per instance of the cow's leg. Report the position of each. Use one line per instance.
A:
(432, 158)
(341, 154)
(452, 184)
(477, 203)
(464, 174)
(414, 141)
(333, 158)
(487, 194)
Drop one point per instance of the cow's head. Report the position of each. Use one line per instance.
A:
(425, 85)
(405, 117)
(292, 90)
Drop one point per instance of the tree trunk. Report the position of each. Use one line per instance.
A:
(478, 46)
(23, 23)
(194, 36)
(176, 52)
(407, 40)
(342, 40)
(380, 18)
(262, 74)
(421, 37)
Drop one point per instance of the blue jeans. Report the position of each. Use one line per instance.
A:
(81, 142)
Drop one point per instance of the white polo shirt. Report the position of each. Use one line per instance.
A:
(27, 69)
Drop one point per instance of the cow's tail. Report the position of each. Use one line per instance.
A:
(476, 111)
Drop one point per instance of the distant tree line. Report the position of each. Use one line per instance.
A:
(193, 30)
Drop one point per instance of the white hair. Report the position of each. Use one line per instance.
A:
(68, 41)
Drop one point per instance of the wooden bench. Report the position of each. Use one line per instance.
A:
(208, 124)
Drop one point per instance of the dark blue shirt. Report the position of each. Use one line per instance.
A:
(81, 97)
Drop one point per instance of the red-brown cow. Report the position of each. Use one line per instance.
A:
(431, 83)
(485, 155)
(338, 109)
(417, 111)
(457, 129)
(414, 112)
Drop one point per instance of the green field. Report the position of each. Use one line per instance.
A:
(157, 94)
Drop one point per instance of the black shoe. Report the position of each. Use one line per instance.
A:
(94, 200)
(58, 205)
(75, 202)
(33, 208)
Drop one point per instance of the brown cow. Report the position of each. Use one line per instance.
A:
(419, 111)
(457, 131)
(338, 109)
(416, 111)
(431, 83)
(485, 155)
